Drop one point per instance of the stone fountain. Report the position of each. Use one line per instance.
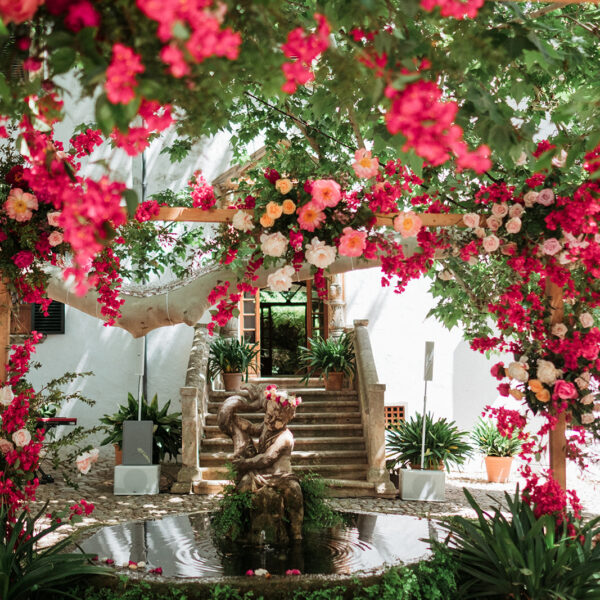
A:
(265, 468)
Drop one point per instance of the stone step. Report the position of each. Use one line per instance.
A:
(349, 472)
(299, 457)
(335, 418)
(307, 394)
(224, 444)
(313, 406)
(300, 431)
(289, 381)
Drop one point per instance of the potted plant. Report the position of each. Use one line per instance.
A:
(498, 449)
(333, 358)
(445, 444)
(232, 358)
(166, 437)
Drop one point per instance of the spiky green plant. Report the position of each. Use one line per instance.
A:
(444, 443)
(489, 441)
(231, 356)
(509, 553)
(166, 436)
(334, 355)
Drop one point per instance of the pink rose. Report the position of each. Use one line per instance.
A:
(5, 446)
(491, 243)
(513, 225)
(565, 390)
(586, 320)
(551, 246)
(471, 220)
(326, 192)
(559, 330)
(18, 11)
(530, 199)
(53, 218)
(516, 210)
(23, 259)
(352, 242)
(546, 197)
(84, 463)
(500, 210)
(494, 223)
(55, 238)
(21, 438)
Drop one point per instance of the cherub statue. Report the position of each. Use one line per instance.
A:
(268, 464)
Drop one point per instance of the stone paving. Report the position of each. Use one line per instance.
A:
(97, 487)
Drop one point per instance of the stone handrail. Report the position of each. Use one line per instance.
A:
(194, 407)
(371, 395)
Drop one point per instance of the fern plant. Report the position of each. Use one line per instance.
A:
(166, 437)
(444, 443)
(333, 355)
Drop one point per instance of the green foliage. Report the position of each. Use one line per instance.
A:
(317, 513)
(489, 441)
(178, 150)
(330, 355)
(27, 573)
(232, 516)
(127, 590)
(444, 443)
(166, 436)
(521, 556)
(287, 335)
(230, 355)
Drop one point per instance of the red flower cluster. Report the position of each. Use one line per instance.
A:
(303, 48)
(203, 194)
(459, 9)
(121, 74)
(107, 281)
(146, 210)
(85, 142)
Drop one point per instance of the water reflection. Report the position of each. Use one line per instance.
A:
(182, 545)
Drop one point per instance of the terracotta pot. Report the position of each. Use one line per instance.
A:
(232, 381)
(498, 468)
(417, 467)
(118, 455)
(334, 381)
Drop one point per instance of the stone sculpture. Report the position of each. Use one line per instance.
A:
(265, 469)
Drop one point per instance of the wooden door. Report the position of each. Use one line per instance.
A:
(250, 325)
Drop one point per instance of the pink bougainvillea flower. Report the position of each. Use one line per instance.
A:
(364, 165)
(292, 572)
(121, 73)
(17, 11)
(325, 192)
(249, 573)
(310, 217)
(156, 571)
(82, 14)
(19, 204)
(408, 224)
(352, 242)
(459, 9)
(173, 56)
(23, 259)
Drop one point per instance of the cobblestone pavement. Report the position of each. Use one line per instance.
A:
(97, 487)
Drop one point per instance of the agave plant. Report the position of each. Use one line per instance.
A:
(521, 556)
(231, 356)
(30, 574)
(489, 441)
(166, 437)
(333, 355)
(444, 443)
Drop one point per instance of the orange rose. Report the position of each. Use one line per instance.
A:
(266, 221)
(535, 385)
(543, 396)
(517, 394)
(274, 210)
(284, 186)
(289, 208)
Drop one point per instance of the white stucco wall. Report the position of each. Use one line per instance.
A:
(398, 328)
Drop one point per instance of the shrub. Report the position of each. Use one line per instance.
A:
(523, 557)
(489, 441)
(330, 355)
(230, 356)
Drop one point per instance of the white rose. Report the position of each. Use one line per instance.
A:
(517, 370)
(559, 330)
(281, 280)
(547, 372)
(587, 418)
(6, 395)
(273, 244)
(94, 453)
(586, 320)
(319, 254)
(530, 198)
(84, 463)
(261, 572)
(560, 160)
(21, 438)
(588, 399)
(522, 160)
(242, 221)
(516, 210)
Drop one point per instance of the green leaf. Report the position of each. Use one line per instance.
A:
(62, 59)
(131, 198)
(104, 115)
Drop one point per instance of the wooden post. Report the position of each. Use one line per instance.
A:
(558, 438)
(5, 308)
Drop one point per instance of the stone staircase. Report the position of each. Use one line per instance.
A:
(328, 436)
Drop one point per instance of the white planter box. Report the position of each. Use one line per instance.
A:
(422, 485)
(136, 480)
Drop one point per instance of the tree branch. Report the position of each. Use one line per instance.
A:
(357, 134)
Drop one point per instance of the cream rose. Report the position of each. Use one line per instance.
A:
(84, 463)
(587, 399)
(559, 330)
(500, 210)
(5, 446)
(587, 418)
(6, 395)
(281, 280)
(242, 221)
(21, 437)
(551, 246)
(491, 243)
(547, 373)
(530, 199)
(586, 320)
(545, 197)
(471, 220)
(516, 210)
(513, 225)
(273, 244)
(319, 254)
(517, 370)
(479, 232)
(494, 223)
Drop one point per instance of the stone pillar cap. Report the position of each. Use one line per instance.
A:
(361, 322)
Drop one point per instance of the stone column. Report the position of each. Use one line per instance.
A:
(337, 306)
(190, 422)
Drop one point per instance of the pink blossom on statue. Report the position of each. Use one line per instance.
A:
(551, 246)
